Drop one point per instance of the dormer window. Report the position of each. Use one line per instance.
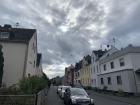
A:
(4, 35)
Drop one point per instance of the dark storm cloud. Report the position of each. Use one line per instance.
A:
(70, 29)
(124, 21)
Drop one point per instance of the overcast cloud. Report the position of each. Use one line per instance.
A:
(70, 29)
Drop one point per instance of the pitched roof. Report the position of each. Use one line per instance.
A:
(120, 53)
(99, 53)
(17, 34)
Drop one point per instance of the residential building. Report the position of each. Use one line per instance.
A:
(96, 55)
(121, 70)
(19, 46)
(85, 71)
(39, 70)
(78, 67)
(69, 75)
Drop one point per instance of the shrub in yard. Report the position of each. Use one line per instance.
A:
(96, 89)
(32, 84)
(88, 87)
(105, 88)
(120, 93)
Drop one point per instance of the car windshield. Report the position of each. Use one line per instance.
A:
(78, 91)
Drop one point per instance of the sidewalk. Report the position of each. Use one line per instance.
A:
(130, 100)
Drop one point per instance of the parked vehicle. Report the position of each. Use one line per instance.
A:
(77, 96)
(63, 88)
(59, 88)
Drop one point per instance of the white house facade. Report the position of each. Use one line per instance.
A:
(19, 47)
(95, 68)
(121, 70)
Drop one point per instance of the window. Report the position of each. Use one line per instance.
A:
(102, 81)
(78, 74)
(4, 35)
(97, 70)
(122, 63)
(112, 65)
(91, 80)
(33, 47)
(104, 67)
(94, 70)
(109, 80)
(93, 59)
(119, 80)
(94, 82)
(34, 64)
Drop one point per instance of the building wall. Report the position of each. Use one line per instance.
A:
(85, 75)
(14, 59)
(39, 71)
(32, 56)
(135, 57)
(128, 64)
(76, 77)
(69, 75)
(131, 78)
(127, 77)
(94, 71)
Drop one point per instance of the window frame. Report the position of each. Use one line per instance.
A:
(112, 66)
(109, 80)
(102, 81)
(119, 80)
(122, 62)
(4, 35)
(104, 67)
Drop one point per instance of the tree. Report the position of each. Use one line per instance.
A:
(1, 65)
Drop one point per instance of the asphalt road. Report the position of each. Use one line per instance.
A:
(54, 99)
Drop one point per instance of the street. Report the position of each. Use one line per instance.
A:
(53, 99)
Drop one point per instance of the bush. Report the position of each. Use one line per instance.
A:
(105, 88)
(32, 85)
(88, 88)
(120, 93)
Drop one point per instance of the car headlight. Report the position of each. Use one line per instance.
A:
(73, 101)
(92, 101)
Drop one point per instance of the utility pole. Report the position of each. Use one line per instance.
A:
(114, 41)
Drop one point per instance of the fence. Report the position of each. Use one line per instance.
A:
(17, 99)
(38, 99)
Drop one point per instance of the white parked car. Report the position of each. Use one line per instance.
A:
(63, 88)
(59, 88)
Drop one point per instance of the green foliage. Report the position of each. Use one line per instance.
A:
(120, 93)
(1, 65)
(33, 84)
(88, 88)
(104, 88)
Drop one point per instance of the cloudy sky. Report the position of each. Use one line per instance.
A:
(70, 29)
